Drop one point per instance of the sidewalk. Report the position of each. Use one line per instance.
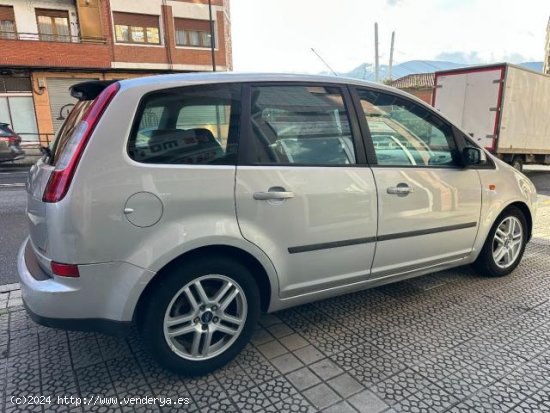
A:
(451, 341)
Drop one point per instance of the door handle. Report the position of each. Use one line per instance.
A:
(273, 195)
(128, 211)
(400, 190)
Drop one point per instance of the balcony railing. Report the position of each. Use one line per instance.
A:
(43, 37)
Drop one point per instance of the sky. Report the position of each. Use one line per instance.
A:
(277, 35)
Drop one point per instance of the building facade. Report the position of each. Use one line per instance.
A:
(420, 85)
(48, 45)
(546, 68)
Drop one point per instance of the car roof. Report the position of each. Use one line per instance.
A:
(227, 77)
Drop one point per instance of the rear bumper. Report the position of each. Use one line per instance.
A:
(114, 328)
(102, 299)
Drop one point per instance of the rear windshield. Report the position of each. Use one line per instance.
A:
(5, 130)
(67, 129)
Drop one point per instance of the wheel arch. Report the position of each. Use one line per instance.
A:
(244, 257)
(522, 206)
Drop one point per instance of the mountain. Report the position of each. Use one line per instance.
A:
(366, 70)
(536, 66)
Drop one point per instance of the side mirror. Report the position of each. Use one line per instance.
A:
(473, 156)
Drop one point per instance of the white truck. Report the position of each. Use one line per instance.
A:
(503, 107)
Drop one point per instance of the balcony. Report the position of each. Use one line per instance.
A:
(43, 37)
(20, 49)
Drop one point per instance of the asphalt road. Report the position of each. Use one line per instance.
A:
(540, 176)
(13, 229)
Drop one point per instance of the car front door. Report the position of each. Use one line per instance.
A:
(429, 205)
(303, 192)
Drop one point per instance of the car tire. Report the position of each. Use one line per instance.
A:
(490, 262)
(229, 294)
(517, 163)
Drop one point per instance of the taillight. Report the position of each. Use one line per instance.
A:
(11, 140)
(65, 270)
(62, 175)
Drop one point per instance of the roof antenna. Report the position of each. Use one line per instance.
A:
(324, 62)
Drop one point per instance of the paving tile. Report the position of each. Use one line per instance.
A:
(280, 330)
(251, 400)
(261, 336)
(95, 379)
(293, 341)
(309, 354)
(326, 369)
(295, 403)
(206, 392)
(234, 379)
(272, 349)
(125, 374)
(303, 378)
(286, 363)
(85, 352)
(278, 389)
(451, 341)
(256, 366)
(368, 402)
(345, 385)
(267, 320)
(342, 407)
(321, 396)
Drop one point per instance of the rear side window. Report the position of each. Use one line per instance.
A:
(67, 129)
(300, 125)
(190, 125)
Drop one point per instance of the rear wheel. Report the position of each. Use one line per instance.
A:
(505, 244)
(201, 316)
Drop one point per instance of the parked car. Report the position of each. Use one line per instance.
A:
(9, 144)
(188, 204)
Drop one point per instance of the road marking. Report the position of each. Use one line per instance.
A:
(16, 185)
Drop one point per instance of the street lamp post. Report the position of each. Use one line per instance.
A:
(212, 37)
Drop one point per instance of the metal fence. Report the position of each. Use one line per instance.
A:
(58, 38)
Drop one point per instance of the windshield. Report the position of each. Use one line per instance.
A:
(67, 129)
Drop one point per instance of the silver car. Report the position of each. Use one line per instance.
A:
(188, 204)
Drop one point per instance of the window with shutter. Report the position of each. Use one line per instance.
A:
(136, 28)
(192, 32)
(7, 23)
(53, 25)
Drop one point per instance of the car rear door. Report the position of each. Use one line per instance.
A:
(303, 192)
(429, 205)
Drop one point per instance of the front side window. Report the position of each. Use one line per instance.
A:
(53, 25)
(404, 133)
(192, 125)
(136, 28)
(302, 125)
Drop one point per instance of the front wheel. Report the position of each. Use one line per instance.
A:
(201, 316)
(505, 244)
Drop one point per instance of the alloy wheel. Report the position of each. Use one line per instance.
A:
(507, 242)
(205, 317)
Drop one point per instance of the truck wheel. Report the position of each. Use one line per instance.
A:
(504, 246)
(200, 316)
(517, 163)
